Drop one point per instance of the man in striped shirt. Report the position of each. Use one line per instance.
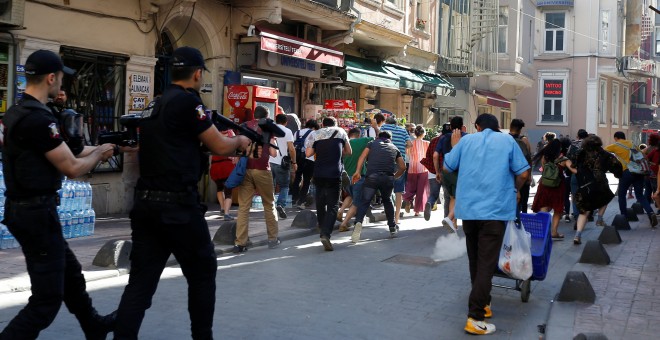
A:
(402, 140)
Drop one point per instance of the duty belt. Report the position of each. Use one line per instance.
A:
(45, 199)
(166, 196)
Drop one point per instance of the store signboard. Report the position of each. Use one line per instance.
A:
(555, 3)
(280, 43)
(288, 65)
(339, 104)
(20, 82)
(139, 89)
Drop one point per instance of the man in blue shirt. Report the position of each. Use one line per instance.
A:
(493, 168)
(402, 140)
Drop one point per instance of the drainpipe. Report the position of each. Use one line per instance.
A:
(359, 17)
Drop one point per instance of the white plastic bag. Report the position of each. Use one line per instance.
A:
(516, 255)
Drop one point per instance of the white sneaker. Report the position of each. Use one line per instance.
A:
(479, 327)
(357, 230)
(449, 225)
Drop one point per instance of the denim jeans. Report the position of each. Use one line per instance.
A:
(374, 182)
(637, 181)
(434, 191)
(303, 174)
(281, 177)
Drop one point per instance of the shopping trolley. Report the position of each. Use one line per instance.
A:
(538, 225)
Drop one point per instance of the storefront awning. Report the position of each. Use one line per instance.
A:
(277, 42)
(367, 72)
(417, 80)
(494, 99)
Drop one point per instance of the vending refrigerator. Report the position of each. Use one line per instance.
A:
(240, 101)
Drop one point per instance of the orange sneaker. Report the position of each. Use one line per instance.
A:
(473, 326)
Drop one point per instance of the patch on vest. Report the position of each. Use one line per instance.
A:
(54, 132)
(201, 115)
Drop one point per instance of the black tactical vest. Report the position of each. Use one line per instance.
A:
(169, 159)
(27, 172)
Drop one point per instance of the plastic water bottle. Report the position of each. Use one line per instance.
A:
(67, 196)
(85, 223)
(80, 193)
(92, 221)
(65, 221)
(88, 195)
(79, 218)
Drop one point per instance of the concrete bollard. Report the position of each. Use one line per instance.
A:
(630, 214)
(114, 254)
(609, 235)
(226, 234)
(594, 253)
(620, 222)
(305, 219)
(576, 287)
(637, 208)
(377, 217)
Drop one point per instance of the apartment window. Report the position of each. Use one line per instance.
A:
(421, 15)
(626, 106)
(502, 29)
(615, 104)
(602, 102)
(657, 41)
(554, 31)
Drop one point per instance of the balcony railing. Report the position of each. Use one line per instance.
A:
(639, 67)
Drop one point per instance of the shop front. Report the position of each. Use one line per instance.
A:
(495, 104)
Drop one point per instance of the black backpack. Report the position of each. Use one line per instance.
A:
(299, 145)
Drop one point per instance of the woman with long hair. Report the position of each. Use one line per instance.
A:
(547, 198)
(417, 184)
(593, 188)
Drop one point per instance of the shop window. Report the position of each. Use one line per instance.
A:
(552, 103)
(6, 77)
(554, 31)
(505, 119)
(97, 92)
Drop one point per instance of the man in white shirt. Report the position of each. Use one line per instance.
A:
(282, 170)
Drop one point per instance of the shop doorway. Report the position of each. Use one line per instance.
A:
(97, 92)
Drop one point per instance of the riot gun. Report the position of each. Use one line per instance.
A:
(267, 126)
(127, 137)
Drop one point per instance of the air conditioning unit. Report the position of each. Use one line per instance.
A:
(12, 13)
(309, 32)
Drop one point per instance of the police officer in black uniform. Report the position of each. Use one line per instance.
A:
(167, 217)
(34, 160)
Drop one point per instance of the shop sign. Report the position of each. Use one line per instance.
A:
(139, 90)
(339, 104)
(266, 92)
(553, 88)
(288, 65)
(238, 95)
(542, 3)
(302, 50)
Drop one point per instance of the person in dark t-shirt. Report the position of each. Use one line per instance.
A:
(385, 164)
(328, 144)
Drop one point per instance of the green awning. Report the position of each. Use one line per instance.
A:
(365, 71)
(417, 80)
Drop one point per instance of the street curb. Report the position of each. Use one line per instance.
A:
(22, 284)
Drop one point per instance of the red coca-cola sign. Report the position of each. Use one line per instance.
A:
(238, 96)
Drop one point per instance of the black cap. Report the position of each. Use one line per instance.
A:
(488, 121)
(45, 62)
(187, 57)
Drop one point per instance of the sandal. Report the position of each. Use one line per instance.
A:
(558, 236)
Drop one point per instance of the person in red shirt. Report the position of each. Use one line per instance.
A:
(221, 167)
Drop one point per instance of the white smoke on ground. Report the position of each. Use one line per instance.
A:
(449, 247)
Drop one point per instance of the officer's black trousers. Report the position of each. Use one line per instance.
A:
(55, 273)
(161, 229)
